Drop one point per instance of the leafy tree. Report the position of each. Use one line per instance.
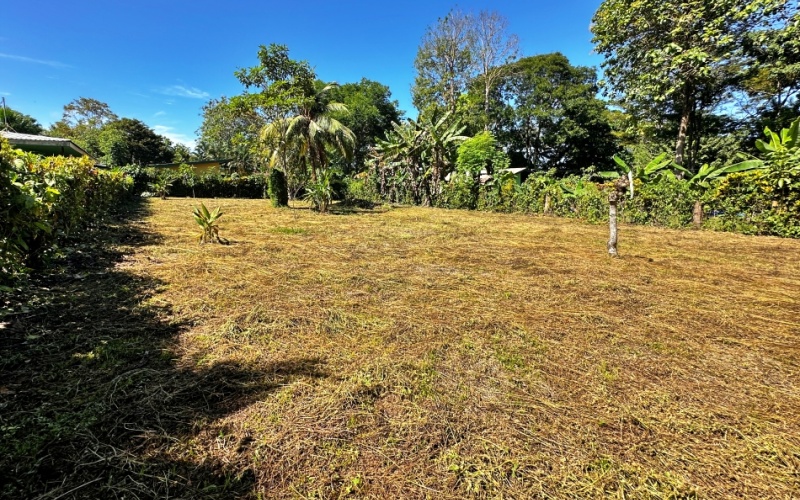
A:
(476, 154)
(549, 117)
(274, 88)
(82, 121)
(181, 153)
(370, 113)
(772, 77)
(88, 112)
(19, 122)
(230, 131)
(128, 141)
(295, 112)
(675, 55)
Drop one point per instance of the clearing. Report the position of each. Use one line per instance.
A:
(404, 353)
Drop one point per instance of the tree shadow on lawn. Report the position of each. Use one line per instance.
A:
(91, 399)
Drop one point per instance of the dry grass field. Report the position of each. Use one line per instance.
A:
(405, 353)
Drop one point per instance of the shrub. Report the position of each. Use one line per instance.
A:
(460, 192)
(664, 201)
(362, 188)
(46, 200)
(752, 203)
(278, 189)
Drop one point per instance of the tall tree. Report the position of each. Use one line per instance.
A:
(493, 48)
(675, 54)
(230, 131)
(128, 142)
(772, 77)
(444, 62)
(82, 121)
(550, 117)
(19, 122)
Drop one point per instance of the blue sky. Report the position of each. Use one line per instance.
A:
(160, 61)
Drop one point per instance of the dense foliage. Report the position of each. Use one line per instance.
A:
(112, 140)
(19, 122)
(186, 183)
(44, 201)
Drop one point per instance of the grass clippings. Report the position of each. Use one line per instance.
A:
(405, 353)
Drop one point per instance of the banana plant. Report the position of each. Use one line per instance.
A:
(788, 139)
(658, 164)
(782, 154)
(208, 222)
(707, 173)
(161, 185)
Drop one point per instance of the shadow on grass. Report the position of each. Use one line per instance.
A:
(91, 399)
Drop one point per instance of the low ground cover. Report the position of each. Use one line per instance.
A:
(404, 353)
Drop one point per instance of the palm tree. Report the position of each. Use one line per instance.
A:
(307, 135)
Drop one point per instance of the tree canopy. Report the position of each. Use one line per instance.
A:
(19, 122)
(679, 56)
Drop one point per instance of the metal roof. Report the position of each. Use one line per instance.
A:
(48, 146)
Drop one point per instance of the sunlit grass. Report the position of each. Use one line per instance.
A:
(491, 355)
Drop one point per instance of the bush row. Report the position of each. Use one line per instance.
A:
(188, 184)
(746, 202)
(43, 201)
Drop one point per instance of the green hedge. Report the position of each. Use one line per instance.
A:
(186, 184)
(43, 201)
(751, 203)
(747, 202)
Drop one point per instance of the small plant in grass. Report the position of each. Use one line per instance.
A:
(320, 192)
(208, 221)
(161, 185)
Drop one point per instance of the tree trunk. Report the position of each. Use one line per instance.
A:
(686, 114)
(547, 204)
(486, 106)
(612, 224)
(697, 214)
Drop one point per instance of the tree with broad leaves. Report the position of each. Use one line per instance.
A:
(678, 55)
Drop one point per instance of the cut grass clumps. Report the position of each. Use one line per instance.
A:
(289, 230)
(407, 353)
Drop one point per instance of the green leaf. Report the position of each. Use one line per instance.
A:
(619, 161)
(743, 166)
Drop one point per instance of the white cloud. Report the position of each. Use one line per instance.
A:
(169, 133)
(52, 64)
(159, 113)
(181, 91)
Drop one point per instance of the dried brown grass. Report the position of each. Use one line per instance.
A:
(422, 353)
(491, 355)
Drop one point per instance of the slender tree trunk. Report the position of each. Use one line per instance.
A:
(697, 214)
(486, 106)
(612, 224)
(686, 114)
(547, 204)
